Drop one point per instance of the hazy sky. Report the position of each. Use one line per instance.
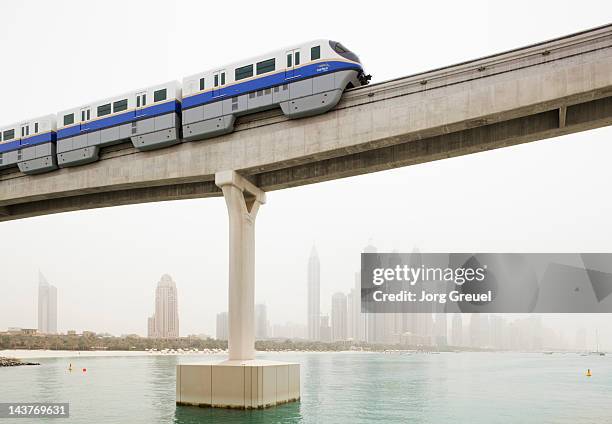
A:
(546, 196)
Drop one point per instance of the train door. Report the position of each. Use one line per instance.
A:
(85, 117)
(218, 83)
(141, 102)
(293, 63)
(25, 130)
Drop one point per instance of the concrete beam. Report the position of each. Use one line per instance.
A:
(540, 126)
(108, 199)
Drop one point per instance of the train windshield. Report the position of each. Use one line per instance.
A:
(343, 51)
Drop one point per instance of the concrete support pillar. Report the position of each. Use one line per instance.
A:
(562, 116)
(243, 200)
(241, 381)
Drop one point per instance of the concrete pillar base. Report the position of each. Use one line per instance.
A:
(251, 384)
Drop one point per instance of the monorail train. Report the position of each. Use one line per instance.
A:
(303, 80)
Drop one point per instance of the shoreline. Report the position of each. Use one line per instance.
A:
(24, 354)
(30, 354)
(6, 361)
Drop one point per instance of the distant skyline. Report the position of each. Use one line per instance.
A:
(547, 196)
(500, 331)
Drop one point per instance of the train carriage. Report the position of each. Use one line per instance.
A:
(148, 118)
(29, 145)
(302, 80)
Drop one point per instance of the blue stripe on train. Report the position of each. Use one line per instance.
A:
(279, 78)
(268, 81)
(29, 141)
(7, 147)
(122, 118)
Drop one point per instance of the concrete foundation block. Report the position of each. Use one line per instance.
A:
(249, 384)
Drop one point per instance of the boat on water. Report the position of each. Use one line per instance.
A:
(597, 352)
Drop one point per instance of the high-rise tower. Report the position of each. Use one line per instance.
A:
(47, 306)
(165, 319)
(339, 317)
(314, 295)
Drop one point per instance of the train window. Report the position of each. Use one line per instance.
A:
(315, 53)
(159, 95)
(9, 135)
(120, 105)
(340, 48)
(222, 78)
(104, 110)
(289, 61)
(266, 66)
(201, 83)
(69, 119)
(216, 80)
(297, 58)
(244, 72)
(35, 127)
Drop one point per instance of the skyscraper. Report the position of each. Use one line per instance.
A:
(222, 326)
(440, 330)
(325, 331)
(423, 319)
(474, 331)
(350, 317)
(261, 321)
(166, 310)
(358, 320)
(339, 317)
(314, 295)
(374, 322)
(457, 330)
(151, 327)
(47, 306)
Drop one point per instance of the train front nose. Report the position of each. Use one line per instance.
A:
(347, 54)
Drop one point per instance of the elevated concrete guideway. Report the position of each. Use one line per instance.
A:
(540, 91)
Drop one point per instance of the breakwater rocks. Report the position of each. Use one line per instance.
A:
(14, 362)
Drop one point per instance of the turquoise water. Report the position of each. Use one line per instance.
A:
(336, 388)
